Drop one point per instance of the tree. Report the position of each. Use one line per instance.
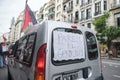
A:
(111, 33)
(100, 22)
(105, 34)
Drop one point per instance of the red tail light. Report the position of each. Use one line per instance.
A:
(40, 63)
(74, 27)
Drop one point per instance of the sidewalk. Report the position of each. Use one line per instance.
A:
(105, 57)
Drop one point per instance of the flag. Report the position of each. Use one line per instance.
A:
(28, 18)
(4, 38)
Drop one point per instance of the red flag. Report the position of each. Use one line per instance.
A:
(28, 17)
(4, 38)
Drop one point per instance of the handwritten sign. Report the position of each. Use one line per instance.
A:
(68, 46)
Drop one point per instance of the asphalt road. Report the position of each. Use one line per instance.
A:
(111, 69)
(4, 73)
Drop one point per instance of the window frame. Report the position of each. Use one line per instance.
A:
(98, 8)
(88, 13)
(97, 52)
(64, 62)
(32, 54)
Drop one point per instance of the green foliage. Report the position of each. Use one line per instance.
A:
(111, 32)
(105, 34)
(100, 22)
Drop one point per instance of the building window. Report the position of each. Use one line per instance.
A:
(89, 25)
(58, 14)
(82, 15)
(41, 16)
(105, 5)
(76, 15)
(58, 7)
(77, 1)
(70, 17)
(118, 21)
(117, 2)
(88, 13)
(82, 2)
(97, 8)
(83, 25)
(58, 0)
(64, 7)
(89, 1)
(71, 4)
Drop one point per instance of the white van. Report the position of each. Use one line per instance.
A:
(57, 51)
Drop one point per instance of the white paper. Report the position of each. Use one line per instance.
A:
(68, 46)
(4, 48)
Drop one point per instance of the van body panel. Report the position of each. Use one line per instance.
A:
(85, 69)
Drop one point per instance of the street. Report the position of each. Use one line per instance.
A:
(111, 69)
(4, 73)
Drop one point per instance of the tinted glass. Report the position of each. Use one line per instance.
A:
(91, 46)
(25, 49)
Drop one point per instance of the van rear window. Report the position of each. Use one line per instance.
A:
(91, 46)
(67, 46)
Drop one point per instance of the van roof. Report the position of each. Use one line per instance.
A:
(35, 27)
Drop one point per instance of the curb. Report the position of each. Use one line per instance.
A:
(117, 59)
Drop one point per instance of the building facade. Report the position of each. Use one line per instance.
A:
(47, 11)
(12, 31)
(114, 20)
(18, 26)
(114, 10)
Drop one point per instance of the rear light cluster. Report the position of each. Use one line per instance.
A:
(40, 63)
(74, 27)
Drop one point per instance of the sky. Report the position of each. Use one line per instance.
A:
(12, 8)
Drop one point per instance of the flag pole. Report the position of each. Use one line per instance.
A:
(26, 1)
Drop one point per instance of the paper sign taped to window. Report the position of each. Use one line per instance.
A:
(68, 46)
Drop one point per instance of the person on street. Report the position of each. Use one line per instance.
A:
(4, 52)
(1, 56)
(110, 54)
(106, 51)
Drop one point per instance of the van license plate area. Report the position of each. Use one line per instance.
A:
(72, 76)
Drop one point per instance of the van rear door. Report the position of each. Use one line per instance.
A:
(73, 55)
(67, 55)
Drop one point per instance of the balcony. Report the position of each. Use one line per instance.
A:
(51, 12)
(88, 17)
(97, 13)
(114, 6)
(65, 1)
(82, 19)
(83, 4)
(69, 9)
(51, 5)
(40, 17)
